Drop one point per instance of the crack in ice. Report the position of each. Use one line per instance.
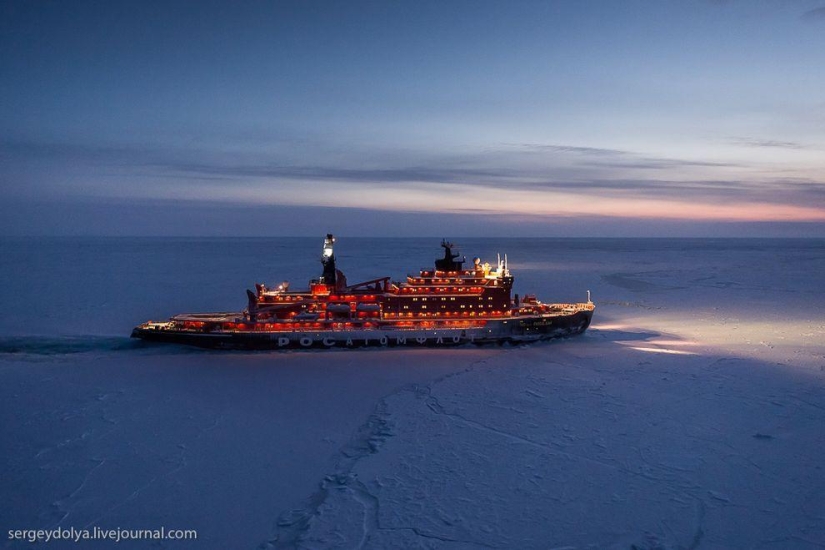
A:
(293, 525)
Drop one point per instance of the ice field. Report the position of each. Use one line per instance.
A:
(690, 415)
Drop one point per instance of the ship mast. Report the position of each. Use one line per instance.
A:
(328, 261)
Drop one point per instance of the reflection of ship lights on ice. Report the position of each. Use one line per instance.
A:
(661, 350)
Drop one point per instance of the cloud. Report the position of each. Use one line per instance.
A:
(754, 142)
(374, 175)
(594, 151)
(620, 158)
(663, 164)
(130, 217)
(525, 164)
(816, 14)
(526, 177)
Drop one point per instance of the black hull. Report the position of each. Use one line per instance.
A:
(514, 330)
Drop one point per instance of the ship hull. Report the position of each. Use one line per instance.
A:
(513, 330)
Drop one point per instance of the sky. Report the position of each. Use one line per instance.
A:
(427, 118)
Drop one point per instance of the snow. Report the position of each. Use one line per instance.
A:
(688, 416)
(533, 452)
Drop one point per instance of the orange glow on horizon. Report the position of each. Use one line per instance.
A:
(483, 201)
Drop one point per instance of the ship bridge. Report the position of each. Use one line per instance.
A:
(451, 291)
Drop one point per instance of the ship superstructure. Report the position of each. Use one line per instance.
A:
(447, 304)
